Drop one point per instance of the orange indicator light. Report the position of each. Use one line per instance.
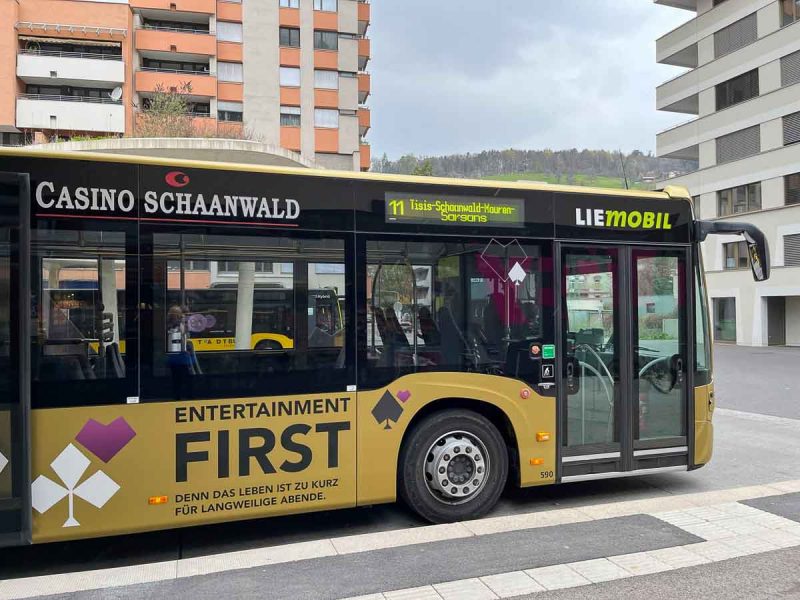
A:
(153, 500)
(537, 461)
(543, 436)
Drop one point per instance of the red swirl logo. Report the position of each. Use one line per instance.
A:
(177, 179)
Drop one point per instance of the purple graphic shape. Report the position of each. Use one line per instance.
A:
(196, 323)
(211, 320)
(105, 441)
(403, 396)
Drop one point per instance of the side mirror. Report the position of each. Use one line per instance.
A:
(757, 247)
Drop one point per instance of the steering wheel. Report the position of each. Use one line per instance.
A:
(656, 379)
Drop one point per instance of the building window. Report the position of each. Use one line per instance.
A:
(792, 184)
(791, 11)
(739, 144)
(737, 90)
(174, 66)
(290, 116)
(229, 111)
(326, 40)
(791, 250)
(791, 129)
(735, 255)
(326, 80)
(328, 5)
(327, 118)
(745, 198)
(228, 71)
(290, 4)
(289, 36)
(174, 26)
(290, 77)
(736, 35)
(790, 69)
(725, 319)
(229, 32)
(232, 266)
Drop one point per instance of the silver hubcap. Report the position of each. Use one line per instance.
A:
(456, 467)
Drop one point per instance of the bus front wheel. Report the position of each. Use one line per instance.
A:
(453, 466)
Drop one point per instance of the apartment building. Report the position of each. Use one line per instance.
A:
(290, 73)
(742, 90)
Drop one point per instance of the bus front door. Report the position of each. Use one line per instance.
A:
(624, 401)
(15, 507)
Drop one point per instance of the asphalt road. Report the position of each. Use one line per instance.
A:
(757, 442)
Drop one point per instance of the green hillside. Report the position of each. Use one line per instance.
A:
(601, 181)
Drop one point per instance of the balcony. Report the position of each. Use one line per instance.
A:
(680, 93)
(364, 87)
(70, 113)
(42, 66)
(203, 85)
(364, 49)
(684, 4)
(364, 9)
(366, 157)
(164, 39)
(207, 7)
(364, 120)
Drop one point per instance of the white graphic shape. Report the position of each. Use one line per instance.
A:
(70, 466)
(3, 462)
(517, 274)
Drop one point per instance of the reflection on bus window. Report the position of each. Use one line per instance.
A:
(80, 305)
(452, 306)
(237, 305)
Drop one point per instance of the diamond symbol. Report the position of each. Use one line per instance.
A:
(70, 466)
(517, 273)
(3, 462)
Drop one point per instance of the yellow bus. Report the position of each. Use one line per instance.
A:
(445, 337)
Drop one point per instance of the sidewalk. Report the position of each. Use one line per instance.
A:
(497, 557)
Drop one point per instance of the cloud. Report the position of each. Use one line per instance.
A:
(465, 76)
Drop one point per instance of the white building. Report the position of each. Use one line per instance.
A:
(742, 85)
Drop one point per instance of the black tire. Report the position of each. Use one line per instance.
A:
(412, 479)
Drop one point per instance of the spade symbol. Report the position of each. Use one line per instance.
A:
(387, 409)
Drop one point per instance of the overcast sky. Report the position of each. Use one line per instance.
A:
(454, 76)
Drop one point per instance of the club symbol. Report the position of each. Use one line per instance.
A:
(387, 409)
(70, 466)
(3, 462)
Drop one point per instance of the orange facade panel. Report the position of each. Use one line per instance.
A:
(364, 11)
(289, 17)
(290, 57)
(326, 59)
(364, 47)
(290, 138)
(326, 140)
(326, 20)
(202, 85)
(230, 52)
(232, 92)
(172, 41)
(290, 96)
(81, 13)
(366, 157)
(208, 7)
(326, 98)
(211, 127)
(229, 11)
(364, 118)
(364, 83)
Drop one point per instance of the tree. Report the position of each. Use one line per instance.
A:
(425, 168)
(166, 113)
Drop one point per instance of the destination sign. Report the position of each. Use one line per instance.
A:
(430, 209)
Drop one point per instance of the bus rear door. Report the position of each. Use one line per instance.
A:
(15, 504)
(625, 340)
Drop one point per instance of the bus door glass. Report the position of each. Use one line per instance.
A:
(591, 330)
(659, 347)
(14, 360)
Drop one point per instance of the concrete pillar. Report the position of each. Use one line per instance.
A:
(771, 135)
(769, 19)
(244, 305)
(708, 154)
(108, 293)
(705, 50)
(707, 101)
(769, 77)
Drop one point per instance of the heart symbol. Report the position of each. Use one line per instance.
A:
(105, 441)
(403, 395)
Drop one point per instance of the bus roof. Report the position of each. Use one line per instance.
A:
(670, 192)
